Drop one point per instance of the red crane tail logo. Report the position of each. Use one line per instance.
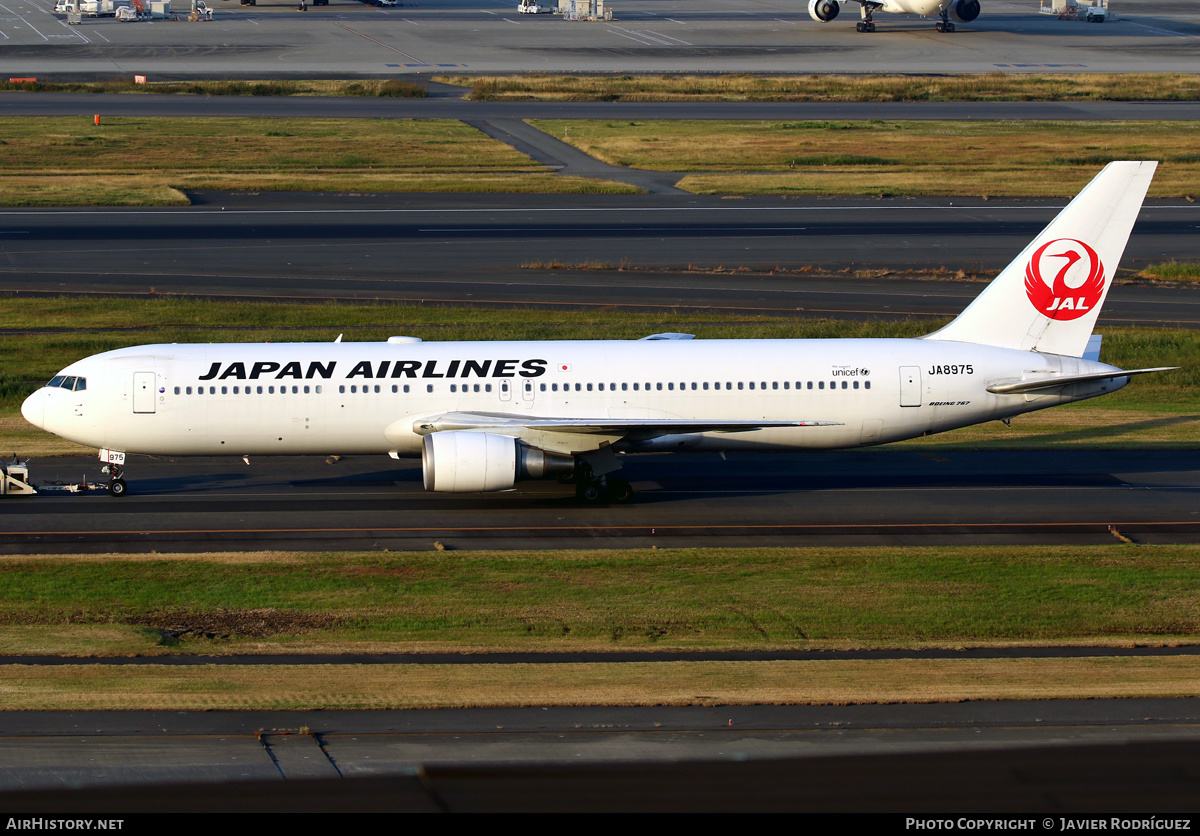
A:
(1077, 283)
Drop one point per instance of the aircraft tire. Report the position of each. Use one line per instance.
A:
(116, 487)
(619, 490)
(589, 492)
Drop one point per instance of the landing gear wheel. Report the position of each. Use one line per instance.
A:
(944, 26)
(618, 490)
(865, 26)
(116, 487)
(589, 492)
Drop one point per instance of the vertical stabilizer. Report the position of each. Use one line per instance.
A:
(1049, 297)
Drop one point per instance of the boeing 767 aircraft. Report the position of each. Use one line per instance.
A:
(484, 415)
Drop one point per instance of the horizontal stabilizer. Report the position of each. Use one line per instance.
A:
(1018, 387)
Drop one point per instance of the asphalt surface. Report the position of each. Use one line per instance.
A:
(884, 496)
(1051, 758)
(473, 249)
(456, 36)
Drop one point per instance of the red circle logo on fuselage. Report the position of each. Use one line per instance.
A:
(1064, 279)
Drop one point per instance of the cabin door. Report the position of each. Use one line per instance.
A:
(143, 391)
(910, 385)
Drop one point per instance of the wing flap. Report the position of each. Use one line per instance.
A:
(499, 421)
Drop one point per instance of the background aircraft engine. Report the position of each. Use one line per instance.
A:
(468, 462)
(827, 10)
(965, 10)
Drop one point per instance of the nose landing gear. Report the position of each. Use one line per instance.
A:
(116, 480)
(114, 466)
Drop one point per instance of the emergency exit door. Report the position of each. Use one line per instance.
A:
(910, 385)
(143, 391)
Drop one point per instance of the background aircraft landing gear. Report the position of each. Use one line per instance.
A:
(867, 24)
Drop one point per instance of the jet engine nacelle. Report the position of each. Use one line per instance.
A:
(826, 10)
(470, 462)
(965, 10)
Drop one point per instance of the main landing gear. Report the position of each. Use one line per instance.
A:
(867, 24)
(593, 489)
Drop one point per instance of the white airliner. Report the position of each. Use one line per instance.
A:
(962, 10)
(484, 415)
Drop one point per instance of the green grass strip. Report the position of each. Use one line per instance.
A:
(752, 598)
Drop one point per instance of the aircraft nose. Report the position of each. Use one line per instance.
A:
(34, 409)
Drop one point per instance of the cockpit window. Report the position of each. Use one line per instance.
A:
(68, 383)
(56, 381)
(80, 384)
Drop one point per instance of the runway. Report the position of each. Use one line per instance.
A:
(1070, 756)
(472, 249)
(886, 496)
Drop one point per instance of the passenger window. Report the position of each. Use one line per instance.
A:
(856, 384)
(635, 387)
(624, 387)
(866, 384)
(429, 387)
(845, 385)
(820, 385)
(658, 387)
(176, 390)
(543, 387)
(224, 390)
(395, 389)
(318, 390)
(342, 389)
(189, 390)
(739, 384)
(810, 384)
(453, 388)
(258, 389)
(306, 390)
(406, 388)
(589, 387)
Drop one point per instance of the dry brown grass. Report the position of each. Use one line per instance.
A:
(1040, 158)
(825, 88)
(149, 687)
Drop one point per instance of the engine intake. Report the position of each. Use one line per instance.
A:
(826, 10)
(965, 10)
(470, 462)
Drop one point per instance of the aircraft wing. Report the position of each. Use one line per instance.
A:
(624, 427)
(1017, 387)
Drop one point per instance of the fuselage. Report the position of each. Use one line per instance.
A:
(344, 398)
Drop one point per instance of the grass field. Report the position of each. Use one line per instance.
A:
(149, 161)
(661, 599)
(829, 88)
(665, 599)
(890, 157)
(283, 687)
